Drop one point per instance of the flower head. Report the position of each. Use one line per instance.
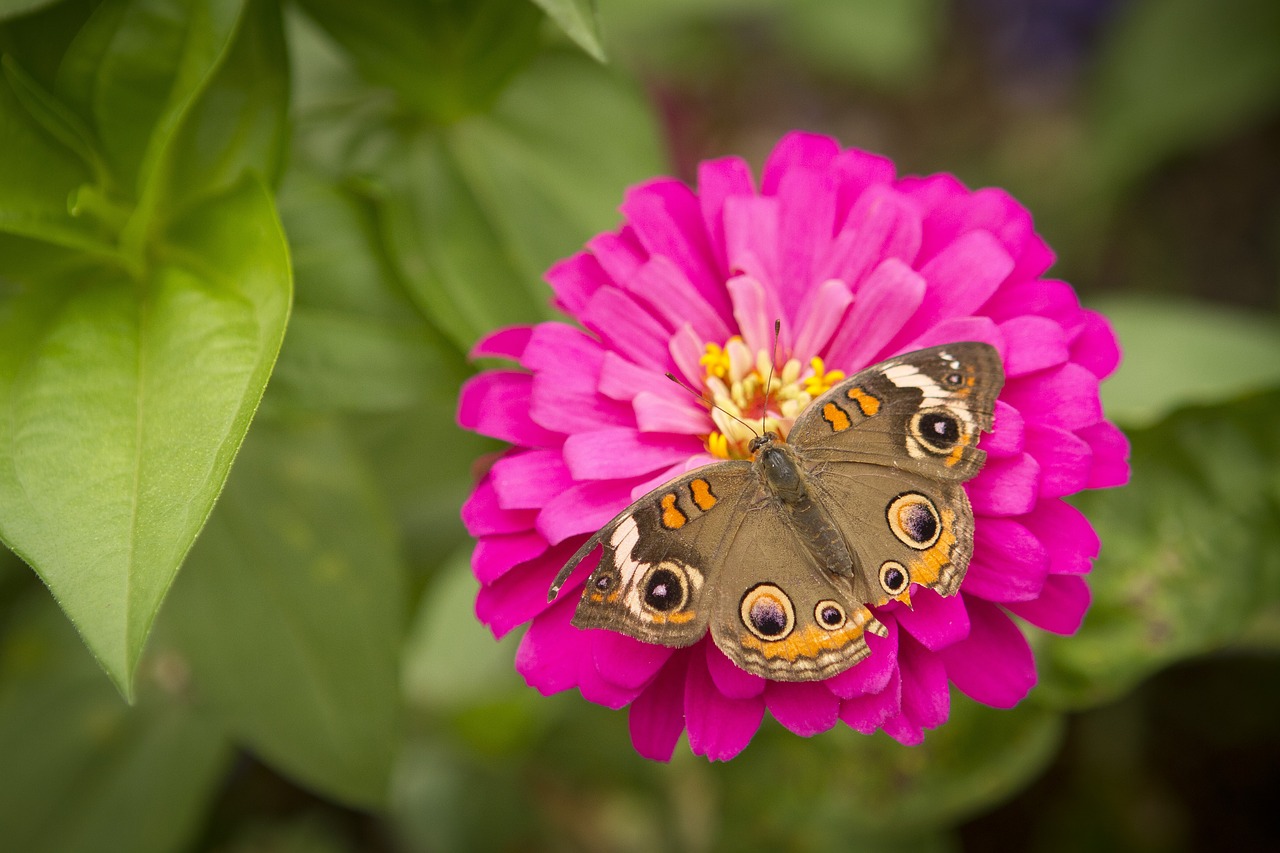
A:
(858, 265)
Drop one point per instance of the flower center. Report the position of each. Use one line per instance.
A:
(751, 395)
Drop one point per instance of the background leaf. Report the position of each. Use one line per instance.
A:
(580, 22)
(290, 611)
(123, 408)
(83, 771)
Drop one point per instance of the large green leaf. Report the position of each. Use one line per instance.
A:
(290, 611)
(83, 772)
(356, 342)
(1191, 551)
(444, 59)
(1182, 353)
(122, 404)
(476, 214)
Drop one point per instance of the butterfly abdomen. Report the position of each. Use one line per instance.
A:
(784, 480)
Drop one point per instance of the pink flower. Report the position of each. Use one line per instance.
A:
(859, 265)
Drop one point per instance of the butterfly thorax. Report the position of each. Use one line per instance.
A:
(782, 474)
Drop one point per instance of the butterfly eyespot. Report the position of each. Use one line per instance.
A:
(665, 589)
(914, 520)
(894, 577)
(767, 612)
(604, 583)
(937, 429)
(953, 380)
(829, 614)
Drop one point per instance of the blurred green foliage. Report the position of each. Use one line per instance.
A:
(186, 184)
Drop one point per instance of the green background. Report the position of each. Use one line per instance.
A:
(199, 195)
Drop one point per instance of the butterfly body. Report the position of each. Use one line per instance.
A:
(782, 557)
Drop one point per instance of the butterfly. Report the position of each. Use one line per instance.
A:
(783, 556)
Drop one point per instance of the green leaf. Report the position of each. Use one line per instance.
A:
(34, 202)
(1180, 73)
(239, 123)
(290, 612)
(451, 661)
(81, 771)
(476, 215)
(579, 20)
(14, 8)
(122, 405)
(356, 341)
(1190, 556)
(444, 59)
(1182, 353)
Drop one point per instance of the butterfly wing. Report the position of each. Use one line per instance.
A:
(662, 553)
(888, 451)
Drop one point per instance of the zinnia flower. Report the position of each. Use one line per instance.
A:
(859, 265)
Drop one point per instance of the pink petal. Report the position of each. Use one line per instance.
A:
(719, 727)
(870, 711)
(619, 255)
(527, 479)
(566, 351)
(508, 342)
(819, 316)
(1007, 434)
(1066, 534)
(807, 202)
(796, 150)
(656, 718)
(936, 622)
(686, 350)
(1034, 343)
(926, 699)
(1046, 297)
(1009, 563)
(1065, 397)
(805, 708)
(626, 327)
(662, 414)
(623, 380)
(873, 673)
(1095, 346)
(1060, 607)
(883, 225)
(955, 330)
(583, 508)
(667, 219)
(1005, 486)
(880, 307)
(856, 171)
(625, 661)
(1064, 459)
(717, 181)
(1110, 455)
(729, 678)
(960, 279)
(756, 308)
(521, 594)
(993, 665)
(595, 688)
(608, 454)
(662, 286)
(575, 280)
(496, 404)
(565, 407)
(751, 236)
(494, 556)
(482, 516)
(548, 653)
(904, 730)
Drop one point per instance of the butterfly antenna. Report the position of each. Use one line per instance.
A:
(768, 385)
(709, 404)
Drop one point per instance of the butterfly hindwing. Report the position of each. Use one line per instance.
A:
(661, 555)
